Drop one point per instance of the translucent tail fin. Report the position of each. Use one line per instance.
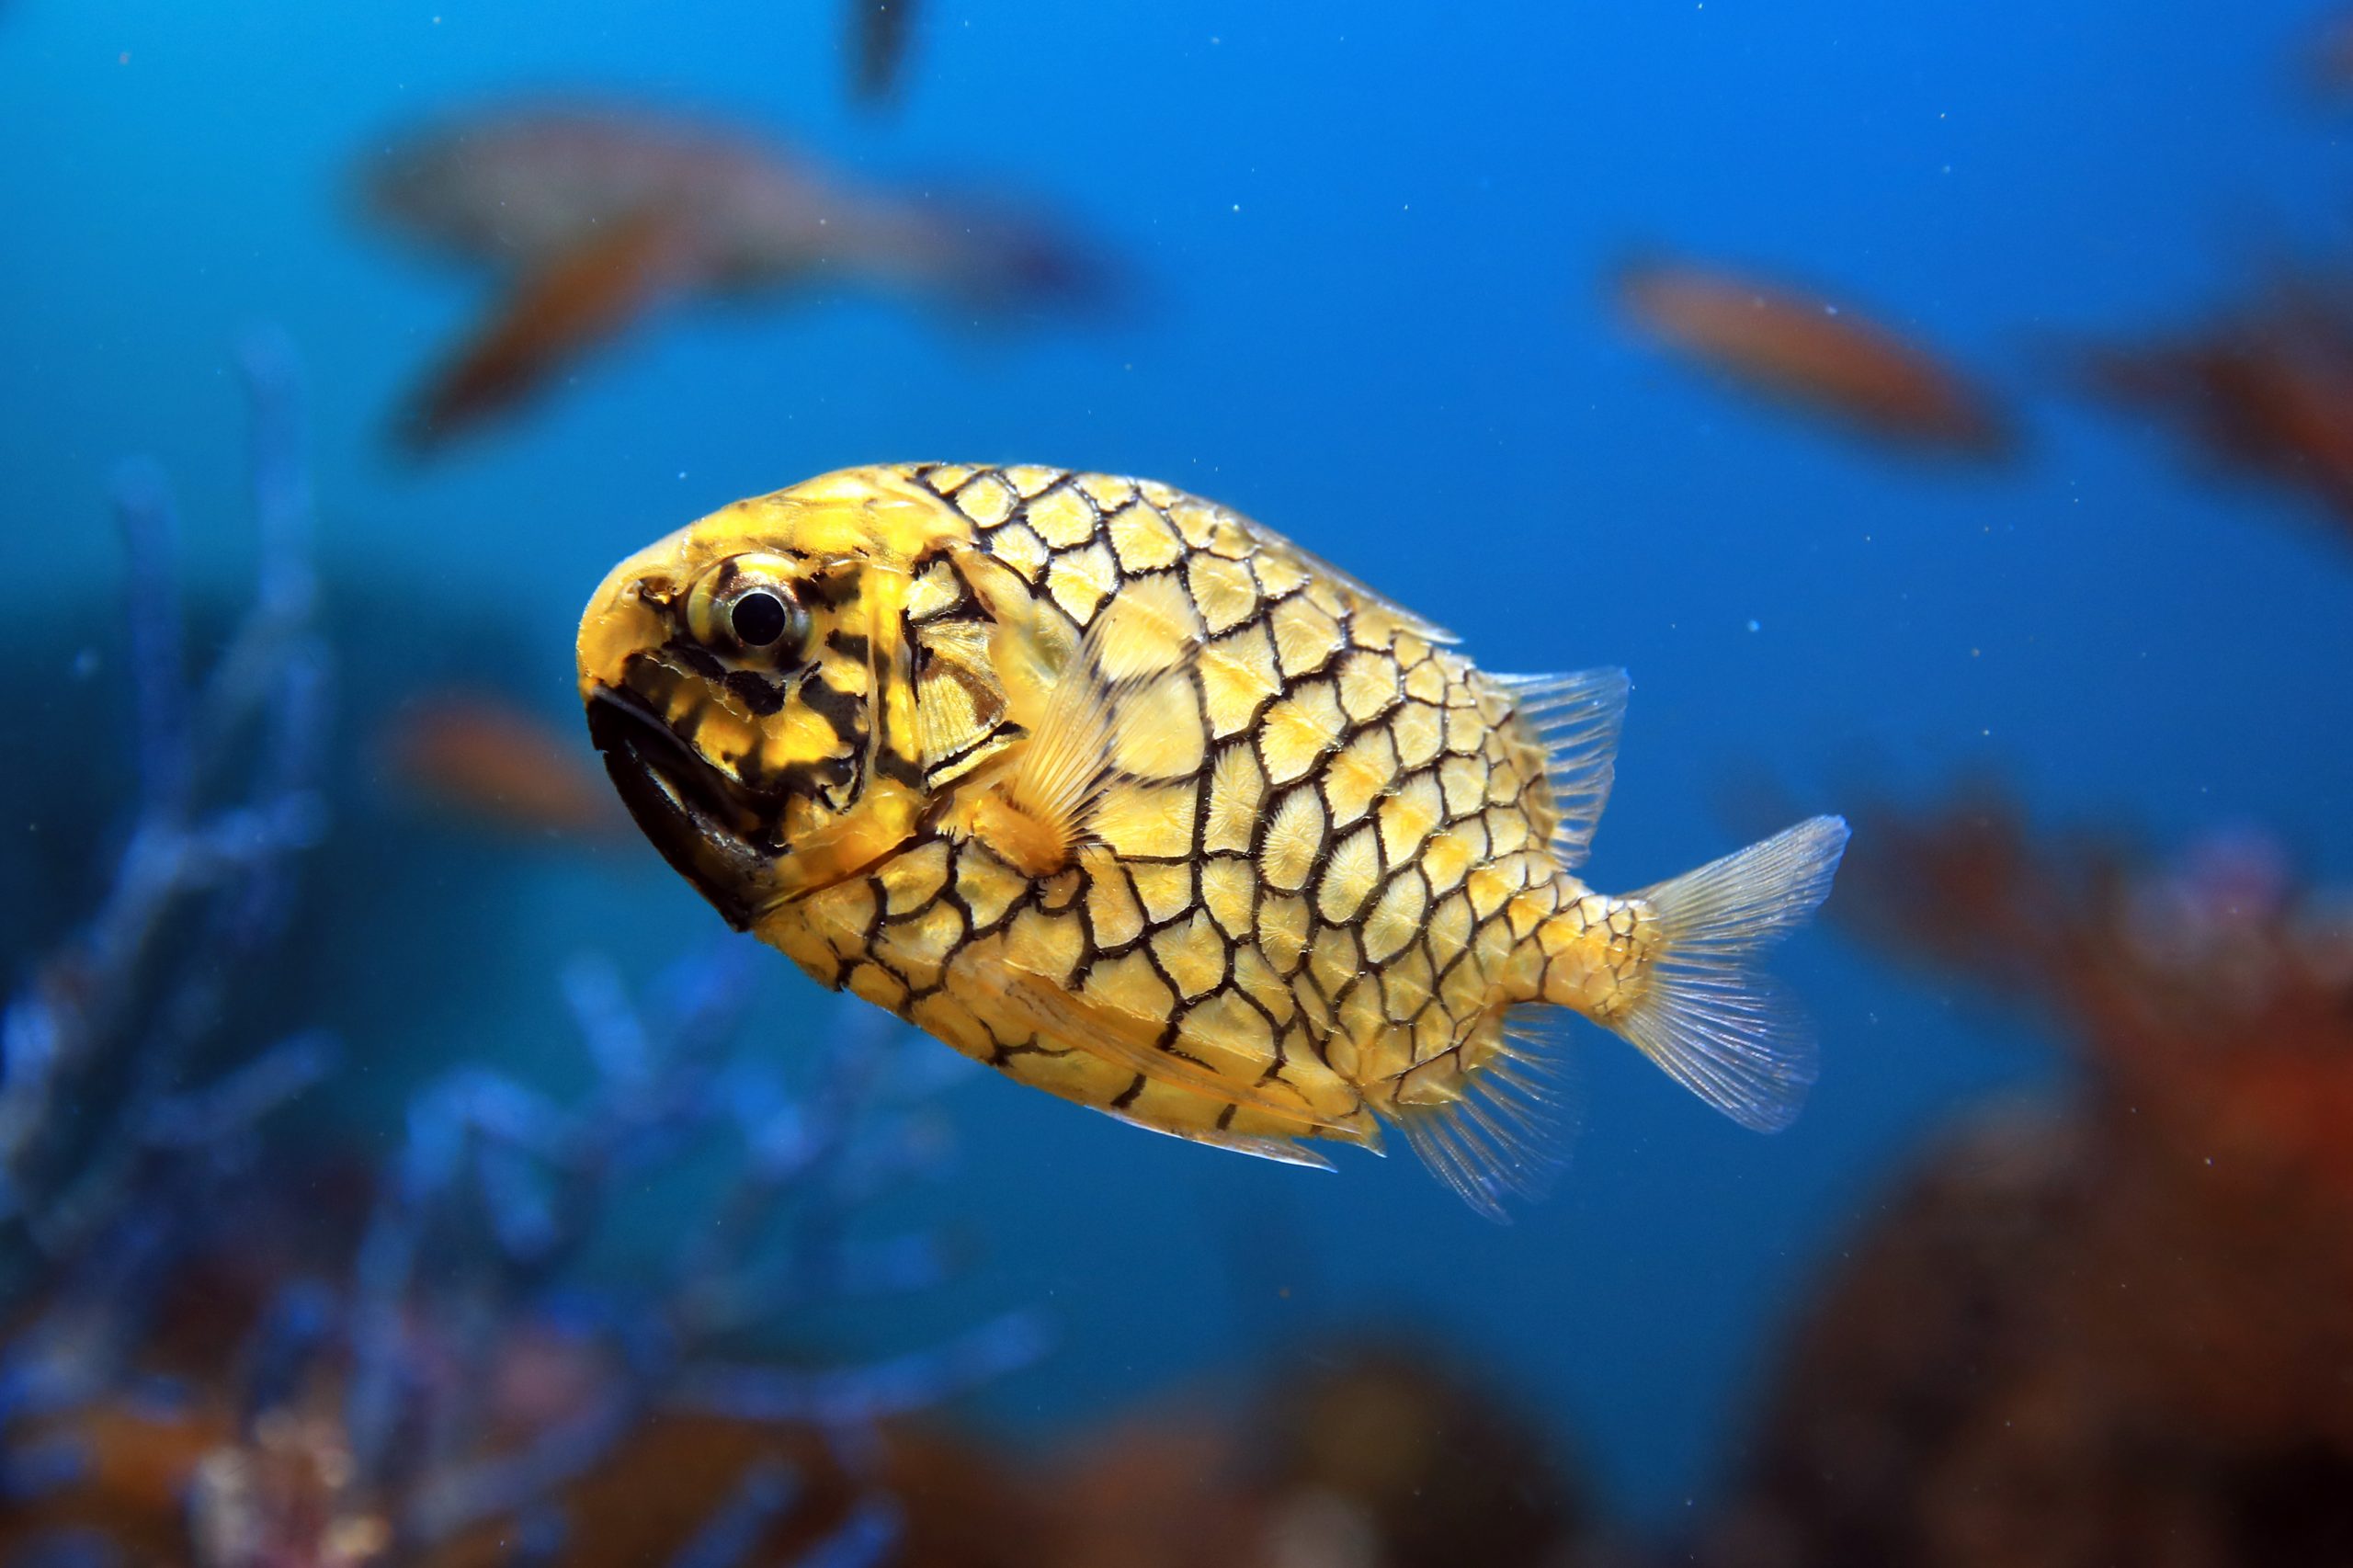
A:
(1707, 1014)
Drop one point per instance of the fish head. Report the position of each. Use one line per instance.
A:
(751, 685)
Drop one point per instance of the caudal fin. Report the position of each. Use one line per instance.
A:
(1707, 1012)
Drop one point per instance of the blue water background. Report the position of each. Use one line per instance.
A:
(1366, 246)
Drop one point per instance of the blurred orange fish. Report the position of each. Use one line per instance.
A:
(2268, 389)
(486, 761)
(552, 317)
(1805, 351)
(596, 218)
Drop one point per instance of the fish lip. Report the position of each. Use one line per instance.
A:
(686, 809)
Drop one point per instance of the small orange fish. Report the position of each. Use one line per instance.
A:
(486, 761)
(1800, 350)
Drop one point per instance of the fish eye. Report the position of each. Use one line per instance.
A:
(745, 605)
(758, 618)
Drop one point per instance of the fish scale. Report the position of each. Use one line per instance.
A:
(1123, 794)
(1298, 734)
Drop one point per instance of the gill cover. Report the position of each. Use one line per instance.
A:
(750, 686)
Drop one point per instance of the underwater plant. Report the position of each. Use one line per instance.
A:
(476, 1366)
(225, 1345)
(112, 1148)
(2111, 1329)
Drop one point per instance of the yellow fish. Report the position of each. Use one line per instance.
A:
(1123, 794)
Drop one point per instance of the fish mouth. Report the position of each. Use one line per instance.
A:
(697, 817)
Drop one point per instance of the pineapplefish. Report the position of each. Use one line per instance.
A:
(1123, 794)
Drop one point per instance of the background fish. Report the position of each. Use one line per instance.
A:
(1805, 351)
(490, 761)
(1112, 789)
(596, 217)
(2265, 391)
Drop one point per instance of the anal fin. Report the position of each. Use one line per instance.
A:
(1507, 1134)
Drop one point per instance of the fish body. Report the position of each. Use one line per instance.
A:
(1129, 797)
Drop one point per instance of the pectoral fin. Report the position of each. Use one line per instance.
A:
(1090, 712)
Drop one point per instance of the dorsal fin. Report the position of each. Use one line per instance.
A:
(1578, 718)
(1509, 1131)
(1268, 539)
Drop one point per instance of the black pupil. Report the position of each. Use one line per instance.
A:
(759, 618)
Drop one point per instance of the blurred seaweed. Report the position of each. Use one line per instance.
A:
(228, 1346)
(2115, 1330)
(478, 1367)
(122, 1112)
